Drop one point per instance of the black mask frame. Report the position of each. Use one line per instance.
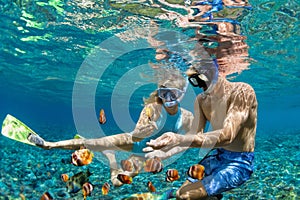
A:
(198, 83)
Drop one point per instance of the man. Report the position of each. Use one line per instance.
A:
(231, 109)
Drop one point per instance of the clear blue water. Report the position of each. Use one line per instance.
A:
(44, 45)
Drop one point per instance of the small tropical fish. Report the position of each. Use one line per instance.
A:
(82, 157)
(87, 189)
(127, 165)
(75, 183)
(46, 196)
(153, 165)
(105, 188)
(149, 113)
(64, 177)
(151, 187)
(172, 175)
(102, 117)
(124, 178)
(196, 171)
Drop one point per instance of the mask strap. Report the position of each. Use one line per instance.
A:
(184, 90)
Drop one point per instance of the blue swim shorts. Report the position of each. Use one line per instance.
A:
(225, 170)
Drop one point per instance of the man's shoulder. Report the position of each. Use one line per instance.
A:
(243, 86)
(244, 90)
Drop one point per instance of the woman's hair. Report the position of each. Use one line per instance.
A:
(153, 98)
(167, 78)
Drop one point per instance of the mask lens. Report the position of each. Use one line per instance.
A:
(170, 94)
(196, 81)
(193, 81)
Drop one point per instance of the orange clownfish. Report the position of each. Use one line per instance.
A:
(151, 187)
(172, 175)
(153, 165)
(46, 196)
(196, 171)
(82, 157)
(102, 117)
(105, 188)
(87, 189)
(124, 178)
(64, 177)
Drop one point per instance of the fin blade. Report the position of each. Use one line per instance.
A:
(16, 130)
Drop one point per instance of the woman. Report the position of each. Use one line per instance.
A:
(160, 114)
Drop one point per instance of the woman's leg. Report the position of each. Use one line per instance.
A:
(114, 142)
(114, 169)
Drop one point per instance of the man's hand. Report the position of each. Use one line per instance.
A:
(169, 139)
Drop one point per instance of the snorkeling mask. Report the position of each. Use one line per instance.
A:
(172, 95)
(198, 80)
(205, 78)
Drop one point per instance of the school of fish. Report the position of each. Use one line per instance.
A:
(83, 156)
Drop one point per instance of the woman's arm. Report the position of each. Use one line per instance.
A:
(144, 128)
(146, 123)
(124, 141)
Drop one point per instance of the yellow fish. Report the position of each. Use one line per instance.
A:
(82, 157)
(196, 171)
(149, 113)
(124, 178)
(102, 117)
(105, 188)
(46, 196)
(87, 189)
(153, 165)
(151, 187)
(64, 177)
(172, 175)
(75, 183)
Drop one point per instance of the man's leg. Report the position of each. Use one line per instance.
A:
(223, 179)
(191, 190)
